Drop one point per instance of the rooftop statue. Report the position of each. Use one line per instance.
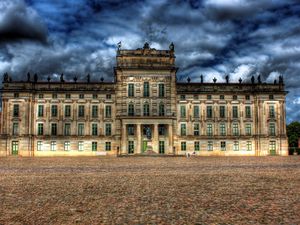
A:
(28, 77)
(227, 79)
(146, 45)
(35, 77)
(62, 78)
(172, 47)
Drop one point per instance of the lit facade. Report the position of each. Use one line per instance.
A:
(144, 111)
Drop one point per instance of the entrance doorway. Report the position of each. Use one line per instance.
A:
(130, 147)
(161, 147)
(144, 147)
(15, 148)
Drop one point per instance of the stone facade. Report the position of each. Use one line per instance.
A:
(145, 110)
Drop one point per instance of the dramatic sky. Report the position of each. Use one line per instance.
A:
(212, 37)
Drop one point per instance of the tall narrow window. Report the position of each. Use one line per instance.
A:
(209, 129)
(210, 146)
(94, 129)
(54, 129)
(94, 146)
(81, 111)
(40, 111)
(107, 129)
(108, 111)
(161, 129)
(222, 111)
(161, 110)
(209, 111)
(40, 129)
(146, 89)
(81, 96)
(80, 129)
(272, 147)
(67, 111)
(130, 90)
(67, 129)
(196, 129)
(183, 129)
(271, 111)
(130, 147)
(53, 146)
(249, 146)
(130, 129)
(183, 146)
(107, 146)
(248, 111)
(16, 110)
(248, 129)
(54, 110)
(95, 111)
(182, 111)
(39, 145)
(146, 109)
(222, 129)
(130, 109)
(161, 147)
(161, 90)
(15, 130)
(80, 146)
(272, 129)
(234, 111)
(223, 146)
(67, 145)
(197, 146)
(235, 129)
(235, 146)
(196, 111)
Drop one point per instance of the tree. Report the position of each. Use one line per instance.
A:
(293, 133)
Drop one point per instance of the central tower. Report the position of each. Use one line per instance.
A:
(146, 99)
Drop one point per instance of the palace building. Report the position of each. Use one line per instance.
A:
(144, 111)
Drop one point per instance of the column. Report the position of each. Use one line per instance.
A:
(123, 142)
(139, 138)
(155, 138)
(170, 134)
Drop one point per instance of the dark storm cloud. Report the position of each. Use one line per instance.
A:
(212, 37)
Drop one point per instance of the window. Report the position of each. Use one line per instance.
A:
(107, 129)
(40, 111)
(54, 129)
(146, 89)
(196, 111)
(53, 146)
(271, 97)
(80, 129)
(107, 146)
(247, 97)
(235, 146)
(161, 110)
(208, 97)
(209, 111)
(68, 96)
(161, 147)
(182, 111)
(40, 129)
(15, 147)
(94, 146)
(67, 145)
(234, 97)
(130, 110)
(130, 147)
(223, 146)
(108, 96)
(15, 130)
(94, 129)
(249, 146)
(183, 146)
(130, 90)
(222, 111)
(41, 96)
(182, 97)
(196, 97)
(95, 96)
(16, 95)
(248, 111)
(54, 110)
(67, 129)
(16, 110)
(161, 90)
(161, 129)
(81, 96)
(54, 96)
(130, 129)
(146, 109)
(197, 146)
(183, 129)
(235, 129)
(67, 111)
(209, 130)
(80, 146)
(222, 129)
(234, 111)
(210, 146)
(81, 111)
(221, 97)
(271, 111)
(94, 111)
(39, 145)
(272, 147)
(248, 129)
(196, 129)
(272, 129)
(108, 111)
